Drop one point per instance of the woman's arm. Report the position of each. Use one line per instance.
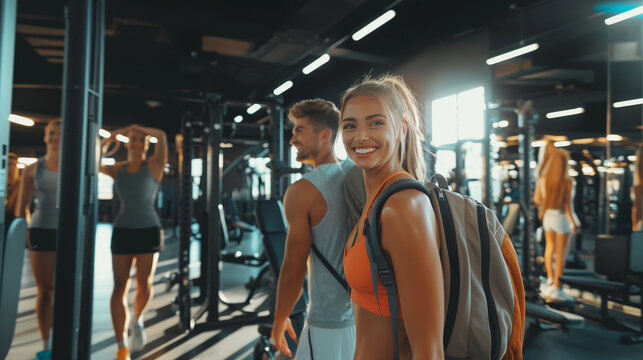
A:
(409, 236)
(538, 197)
(636, 207)
(569, 207)
(26, 188)
(159, 157)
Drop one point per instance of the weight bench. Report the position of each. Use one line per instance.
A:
(10, 277)
(620, 259)
(272, 222)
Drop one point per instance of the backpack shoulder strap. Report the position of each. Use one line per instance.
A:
(330, 268)
(378, 262)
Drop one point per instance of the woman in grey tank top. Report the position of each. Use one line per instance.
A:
(137, 237)
(41, 180)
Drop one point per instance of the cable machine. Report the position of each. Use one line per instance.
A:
(209, 132)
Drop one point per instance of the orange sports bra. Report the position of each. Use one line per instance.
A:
(357, 267)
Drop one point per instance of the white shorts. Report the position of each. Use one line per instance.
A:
(556, 221)
(317, 343)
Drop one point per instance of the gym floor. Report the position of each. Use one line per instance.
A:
(593, 341)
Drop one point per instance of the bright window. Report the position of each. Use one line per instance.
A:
(444, 117)
(458, 117)
(444, 162)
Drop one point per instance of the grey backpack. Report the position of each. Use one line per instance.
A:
(483, 289)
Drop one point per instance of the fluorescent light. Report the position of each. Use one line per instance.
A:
(568, 112)
(572, 162)
(512, 54)
(538, 143)
(253, 108)
(601, 169)
(153, 139)
(631, 158)
(624, 16)
(503, 123)
(572, 173)
(614, 137)
(122, 138)
(282, 88)
(562, 143)
(533, 164)
(20, 166)
(225, 145)
(108, 161)
(620, 104)
(383, 19)
(238, 119)
(315, 64)
(21, 120)
(27, 160)
(519, 163)
(104, 133)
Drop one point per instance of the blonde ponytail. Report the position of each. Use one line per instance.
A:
(403, 108)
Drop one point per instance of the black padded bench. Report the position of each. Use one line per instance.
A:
(619, 258)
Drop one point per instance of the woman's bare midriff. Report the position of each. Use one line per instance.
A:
(375, 336)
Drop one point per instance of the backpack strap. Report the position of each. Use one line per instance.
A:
(330, 268)
(442, 182)
(378, 262)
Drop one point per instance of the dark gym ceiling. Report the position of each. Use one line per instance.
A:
(162, 56)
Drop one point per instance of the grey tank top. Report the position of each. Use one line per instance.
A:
(45, 215)
(136, 193)
(329, 305)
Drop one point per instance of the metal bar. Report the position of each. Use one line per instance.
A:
(217, 112)
(486, 162)
(277, 149)
(93, 164)
(233, 164)
(72, 186)
(183, 299)
(526, 155)
(7, 48)
(605, 221)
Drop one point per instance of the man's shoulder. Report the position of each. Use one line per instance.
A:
(301, 193)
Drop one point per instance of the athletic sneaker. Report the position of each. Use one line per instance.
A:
(138, 336)
(558, 295)
(43, 355)
(123, 354)
(547, 287)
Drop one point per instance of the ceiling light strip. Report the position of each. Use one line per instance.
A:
(625, 103)
(315, 64)
(512, 54)
(381, 20)
(624, 16)
(282, 88)
(21, 120)
(568, 112)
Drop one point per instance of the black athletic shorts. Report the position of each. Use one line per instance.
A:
(136, 241)
(42, 239)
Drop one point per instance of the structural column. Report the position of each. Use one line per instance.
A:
(7, 45)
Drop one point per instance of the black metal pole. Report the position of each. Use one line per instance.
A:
(72, 186)
(93, 165)
(526, 154)
(183, 300)
(277, 149)
(216, 111)
(7, 46)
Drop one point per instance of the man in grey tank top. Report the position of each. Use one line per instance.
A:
(317, 218)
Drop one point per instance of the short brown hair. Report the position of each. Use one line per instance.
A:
(322, 114)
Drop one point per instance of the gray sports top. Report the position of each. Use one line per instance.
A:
(45, 215)
(329, 305)
(136, 193)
